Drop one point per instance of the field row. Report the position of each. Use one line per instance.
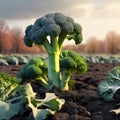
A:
(18, 59)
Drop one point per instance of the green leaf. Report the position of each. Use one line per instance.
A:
(7, 85)
(107, 88)
(41, 107)
(8, 108)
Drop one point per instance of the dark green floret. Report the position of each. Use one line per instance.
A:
(70, 63)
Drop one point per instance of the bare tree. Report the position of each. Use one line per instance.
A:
(92, 45)
(112, 42)
(101, 46)
(4, 33)
(17, 39)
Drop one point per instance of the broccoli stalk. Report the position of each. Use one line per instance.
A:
(65, 79)
(53, 62)
(51, 31)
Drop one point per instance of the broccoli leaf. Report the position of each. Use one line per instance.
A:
(108, 87)
(117, 111)
(7, 85)
(25, 99)
(41, 107)
(10, 108)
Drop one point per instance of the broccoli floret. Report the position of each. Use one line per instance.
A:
(70, 63)
(34, 69)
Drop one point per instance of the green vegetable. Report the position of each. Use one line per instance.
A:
(3, 62)
(70, 63)
(34, 69)
(8, 105)
(21, 59)
(107, 88)
(51, 31)
(110, 85)
(25, 99)
(40, 107)
(11, 60)
(7, 85)
(10, 108)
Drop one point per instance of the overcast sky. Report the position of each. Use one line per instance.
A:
(97, 17)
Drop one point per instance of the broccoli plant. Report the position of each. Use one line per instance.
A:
(70, 63)
(51, 31)
(34, 69)
(25, 99)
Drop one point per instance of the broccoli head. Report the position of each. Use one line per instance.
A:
(70, 63)
(34, 69)
(53, 25)
(73, 62)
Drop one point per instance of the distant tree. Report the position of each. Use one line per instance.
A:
(33, 50)
(5, 43)
(17, 39)
(68, 47)
(80, 48)
(92, 45)
(101, 46)
(118, 48)
(112, 42)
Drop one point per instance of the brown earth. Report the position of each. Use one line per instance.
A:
(82, 102)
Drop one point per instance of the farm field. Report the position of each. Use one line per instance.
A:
(60, 67)
(82, 101)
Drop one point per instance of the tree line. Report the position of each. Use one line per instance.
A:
(11, 41)
(109, 45)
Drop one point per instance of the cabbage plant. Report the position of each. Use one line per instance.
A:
(107, 88)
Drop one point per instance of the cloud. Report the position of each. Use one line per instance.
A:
(25, 9)
(30, 9)
(106, 9)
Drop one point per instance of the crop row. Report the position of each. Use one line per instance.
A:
(16, 59)
(19, 59)
(102, 59)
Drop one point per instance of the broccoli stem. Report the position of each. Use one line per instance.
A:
(61, 40)
(65, 80)
(66, 74)
(53, 62)
(53, 69)
(48, 46)
(42, 81)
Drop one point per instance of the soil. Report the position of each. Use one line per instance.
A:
(82, 101)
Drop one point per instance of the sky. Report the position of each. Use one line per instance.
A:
(97, 17)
